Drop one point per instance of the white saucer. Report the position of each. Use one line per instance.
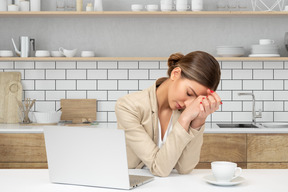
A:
(264, 55)
(211, 179)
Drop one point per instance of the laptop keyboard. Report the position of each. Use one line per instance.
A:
(136, 180)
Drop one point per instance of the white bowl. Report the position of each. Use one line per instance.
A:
(87, 54)
(56, 54)
(47, 117)
(6, 53)
(42, 53)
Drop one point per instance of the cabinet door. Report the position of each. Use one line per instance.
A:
(223, 147)
(22, 151)
(267, 148)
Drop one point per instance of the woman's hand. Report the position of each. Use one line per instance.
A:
(208, 105)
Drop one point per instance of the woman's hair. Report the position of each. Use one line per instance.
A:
(198, 66)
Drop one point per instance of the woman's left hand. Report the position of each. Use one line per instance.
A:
(209, 105)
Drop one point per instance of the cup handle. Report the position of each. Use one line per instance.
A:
(240, 171)
(188, 6)
(61, 50)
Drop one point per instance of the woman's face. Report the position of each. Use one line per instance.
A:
(183, 91)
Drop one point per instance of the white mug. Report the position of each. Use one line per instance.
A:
(182, 7)
(225, 171)
(24, 5)
(167, 7)
(137, 7)
(152, 7)
(68, 53)
(266, 41)
(196, 5)
(13, 7)
(35, 5)
(286, 8)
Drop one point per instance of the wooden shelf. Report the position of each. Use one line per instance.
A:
(134, 59)
(145, 13)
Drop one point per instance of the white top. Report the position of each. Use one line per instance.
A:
(256, 180)
(169, 129)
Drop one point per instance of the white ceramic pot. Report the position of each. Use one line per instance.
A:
(47, 117)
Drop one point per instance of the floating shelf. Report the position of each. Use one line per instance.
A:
(134, 59)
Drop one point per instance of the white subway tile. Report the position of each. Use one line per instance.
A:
(273, 85)
(281, 74)
(286, 64)
(281, 116)
(86, 65)
(163, 65)
(266, 117)
(45, 65)
(55, 74)
(66, 65)
(65, 84)
(115, 95)
(128, 64)
(112, 117)
(58, 105)
(226, 74)
(55, 95)
(144, 84)
(132, 91)
(76, 95)
(27, 84)
(263, 74)
(148, 64)
(231, 84)
(242, 116)
(45, 106)
(232, 106)
(18, 70)
(220, 116)
(6, 65)
(97, 74)
(225, 95)
(99, 95)
(106, 105)
(286, 106)
(107, 64)
(273, 65)
(45, 84)
(231, 65)
(101, 116)
(237, 97)
(247, 105)
(128, 85)
(34, 74)
(156, 74)
(242, 74)
(273, 106)
(107, 84)
(138, 74)
(252, 84)
(117, 74)
(86, 84)
(252, 65)
(263, 95)
(280, 95)
(24, 65)
(208, 119)
(76, 74)
(286, 84)
(38, 95)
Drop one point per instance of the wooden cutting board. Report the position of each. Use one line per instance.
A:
(78, 108)
(10, 92)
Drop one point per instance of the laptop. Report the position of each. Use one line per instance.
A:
(90, 157)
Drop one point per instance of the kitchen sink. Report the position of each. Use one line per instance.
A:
(274, 125)
(237, 125)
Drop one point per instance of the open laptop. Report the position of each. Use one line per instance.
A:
(89, 156)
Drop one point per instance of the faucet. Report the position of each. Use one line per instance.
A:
(254, 114)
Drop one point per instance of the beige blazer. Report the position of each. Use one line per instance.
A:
(137, 114)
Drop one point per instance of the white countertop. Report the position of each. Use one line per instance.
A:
(256, 180)
(210, 128)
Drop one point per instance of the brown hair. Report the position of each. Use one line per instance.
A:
(198, 66)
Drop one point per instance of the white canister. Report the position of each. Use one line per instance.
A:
(35, 5)
(24, 5)
(13, 7)
(98, 5)
(196, 5)
(3, 5)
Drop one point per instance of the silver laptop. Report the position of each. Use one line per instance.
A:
(89, 156)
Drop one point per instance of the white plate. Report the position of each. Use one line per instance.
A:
(264, 55)
(211, 179)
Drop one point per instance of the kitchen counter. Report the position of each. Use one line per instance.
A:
(210, 128)
(256, 180)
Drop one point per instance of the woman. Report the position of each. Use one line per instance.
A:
(164, 124)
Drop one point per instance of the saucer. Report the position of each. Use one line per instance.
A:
(211, 179)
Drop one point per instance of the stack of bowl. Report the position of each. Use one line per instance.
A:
(266, 48)
(230, 51)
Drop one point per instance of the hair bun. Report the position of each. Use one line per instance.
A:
(174, 58)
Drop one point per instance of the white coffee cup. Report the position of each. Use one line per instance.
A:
(286, 8)
(266, 41)
(152, 7)
(182, 7)
(13, 7)
(225, 171)
(167, 7)
(67, 52)
(87, 54)
(24, 5)
(137, 7)
(42, 53)
(196, 5)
